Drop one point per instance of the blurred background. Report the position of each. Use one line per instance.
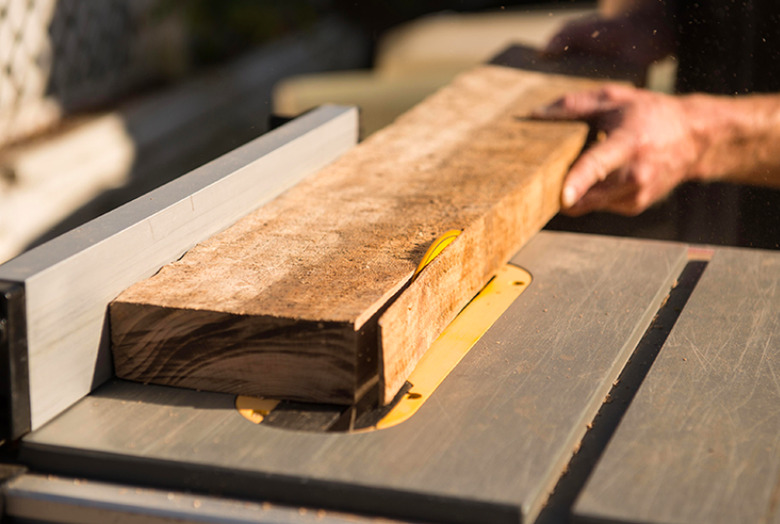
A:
(103, 101)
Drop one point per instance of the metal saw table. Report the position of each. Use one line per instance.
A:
(670, 353)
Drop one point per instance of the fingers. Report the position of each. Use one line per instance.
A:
(629, 191)
(587, 187)
(594, 166)
(621, 199)
(596, 163)
(610, 195)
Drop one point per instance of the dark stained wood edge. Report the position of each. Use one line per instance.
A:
(66, 335)
(281, 348)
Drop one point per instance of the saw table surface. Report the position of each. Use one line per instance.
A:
(632, 381)
(698, 443)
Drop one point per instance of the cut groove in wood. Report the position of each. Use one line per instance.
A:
(287, 301)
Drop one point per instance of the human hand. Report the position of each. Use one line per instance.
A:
(639, 39)
(646, 148)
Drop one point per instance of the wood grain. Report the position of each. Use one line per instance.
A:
(700, 442)
(526, 189)
(69, 281)
(487, 446)
(332, 252)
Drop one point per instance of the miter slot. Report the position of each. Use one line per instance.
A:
(46, 498)
(619, 398)
(699, 442)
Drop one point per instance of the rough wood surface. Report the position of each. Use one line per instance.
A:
(70, 281)
(520, 195)
(701, 440)
(487, 446)
(285, 303)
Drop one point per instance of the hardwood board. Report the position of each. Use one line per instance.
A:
(69, 282)
(701, 440)
(417, 317)
(486, 447)
(336, 249)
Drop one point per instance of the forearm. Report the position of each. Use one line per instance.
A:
(737, 138)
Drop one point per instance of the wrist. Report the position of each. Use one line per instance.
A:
(733, 137)
(700, 119)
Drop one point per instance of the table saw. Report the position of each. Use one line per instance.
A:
(666, 351)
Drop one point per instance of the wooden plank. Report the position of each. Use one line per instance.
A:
(522, 198)
(486, 447)
(38, 498)
(69, 282)
(285, 303)
(701, 440)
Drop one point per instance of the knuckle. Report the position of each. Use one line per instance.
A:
(604, 94)
(642, 176)
(595, 166)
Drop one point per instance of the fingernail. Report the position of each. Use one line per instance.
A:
(569, 196)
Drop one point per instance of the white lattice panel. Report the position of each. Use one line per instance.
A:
(58, 56)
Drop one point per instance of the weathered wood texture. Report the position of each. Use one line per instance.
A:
(487, 446)
(701, 440)
(285, 303)
(69, 281)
